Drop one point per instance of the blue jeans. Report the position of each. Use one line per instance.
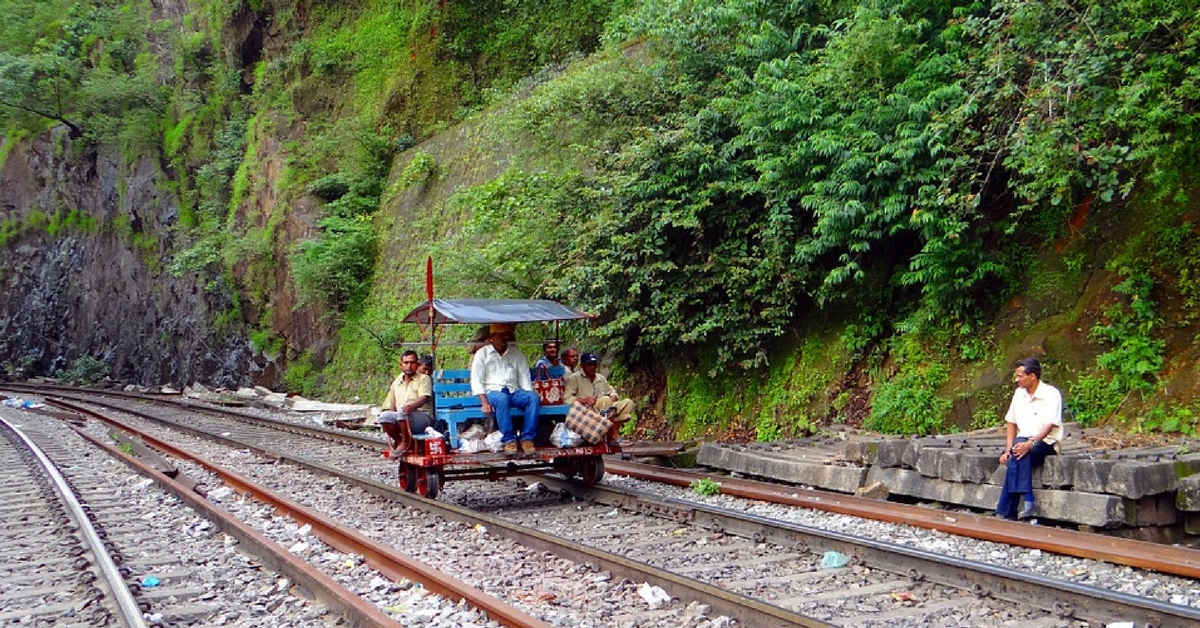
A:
(503, 403)
(1018, 477)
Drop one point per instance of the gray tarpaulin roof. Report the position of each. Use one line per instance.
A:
(493, 311)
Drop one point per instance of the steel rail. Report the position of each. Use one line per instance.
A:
(748, 611)
(355, 610)
(111, 579)
(1179, 561)
(1058, 597)
(386, 560)
(71, 392)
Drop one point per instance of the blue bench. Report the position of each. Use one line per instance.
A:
(454, 403)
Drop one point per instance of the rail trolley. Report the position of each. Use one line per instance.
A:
(428, 462)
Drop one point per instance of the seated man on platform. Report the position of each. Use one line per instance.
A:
(409, 399)
(590, 388)
(549, 355)
(1034, 427)
(425, 365)
(570, 360)
(500, 378)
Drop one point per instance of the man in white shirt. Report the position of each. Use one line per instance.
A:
(1034, 429)
(500, 378)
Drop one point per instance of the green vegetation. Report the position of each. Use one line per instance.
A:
(302, 376)
(910, 401)
(419, 169)
(1135, 356)
(84, 371)
(788, 211)
(705, 487)
(81, 65)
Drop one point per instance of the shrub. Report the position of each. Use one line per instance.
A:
(705, 487)
(330, 187)
(336, 268)
(84, 371)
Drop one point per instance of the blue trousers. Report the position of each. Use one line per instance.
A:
(1018, 477)
(504, 402)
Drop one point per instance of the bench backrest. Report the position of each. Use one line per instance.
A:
(452, 387)
(454, 403)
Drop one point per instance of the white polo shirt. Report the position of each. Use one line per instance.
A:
(1033, 412)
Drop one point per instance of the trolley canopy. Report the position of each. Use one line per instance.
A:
(448, 311)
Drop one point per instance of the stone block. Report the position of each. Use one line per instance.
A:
(1100, 511)
(276, 400)
(997, 476)
(300, 404)
(929, 459)
(1186, 465)
(845, 479)
(883, 453)
(968, 466)
(860, 452)
(1138, 479)
(1187, 494)
(1092, 475)
(1059, 471)
(1191, 523)
(876, 490)
(1153, 510)
(1091, 509)
(914, 484)
(890, 453)
(912, 452)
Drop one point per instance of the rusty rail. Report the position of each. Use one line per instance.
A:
(381, 557)
(747, 611)
(1179, 561)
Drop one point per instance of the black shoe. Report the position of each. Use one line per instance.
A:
(1026, 511)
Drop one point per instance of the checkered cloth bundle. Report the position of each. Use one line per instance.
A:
(588, 423)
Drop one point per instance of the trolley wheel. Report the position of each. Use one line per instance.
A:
(593, 470)
(408, 477)
(429, 481)
(565, 466)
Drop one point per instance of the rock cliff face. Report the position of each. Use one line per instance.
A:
(86, 273)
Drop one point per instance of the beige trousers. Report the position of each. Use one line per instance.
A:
(623, 408)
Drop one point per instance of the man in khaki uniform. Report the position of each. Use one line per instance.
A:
(409, 398)
(592, 389)
(570, 360)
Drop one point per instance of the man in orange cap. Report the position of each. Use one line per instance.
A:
(500, 378)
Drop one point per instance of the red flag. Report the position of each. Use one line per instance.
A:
(429, 277)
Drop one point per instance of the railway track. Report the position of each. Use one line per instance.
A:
(186, 570)
(756, 559)
(58, 568)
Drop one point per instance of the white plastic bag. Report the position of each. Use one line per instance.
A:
(494, 441)
(473, 446)
(562, 437)
(475, 432)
